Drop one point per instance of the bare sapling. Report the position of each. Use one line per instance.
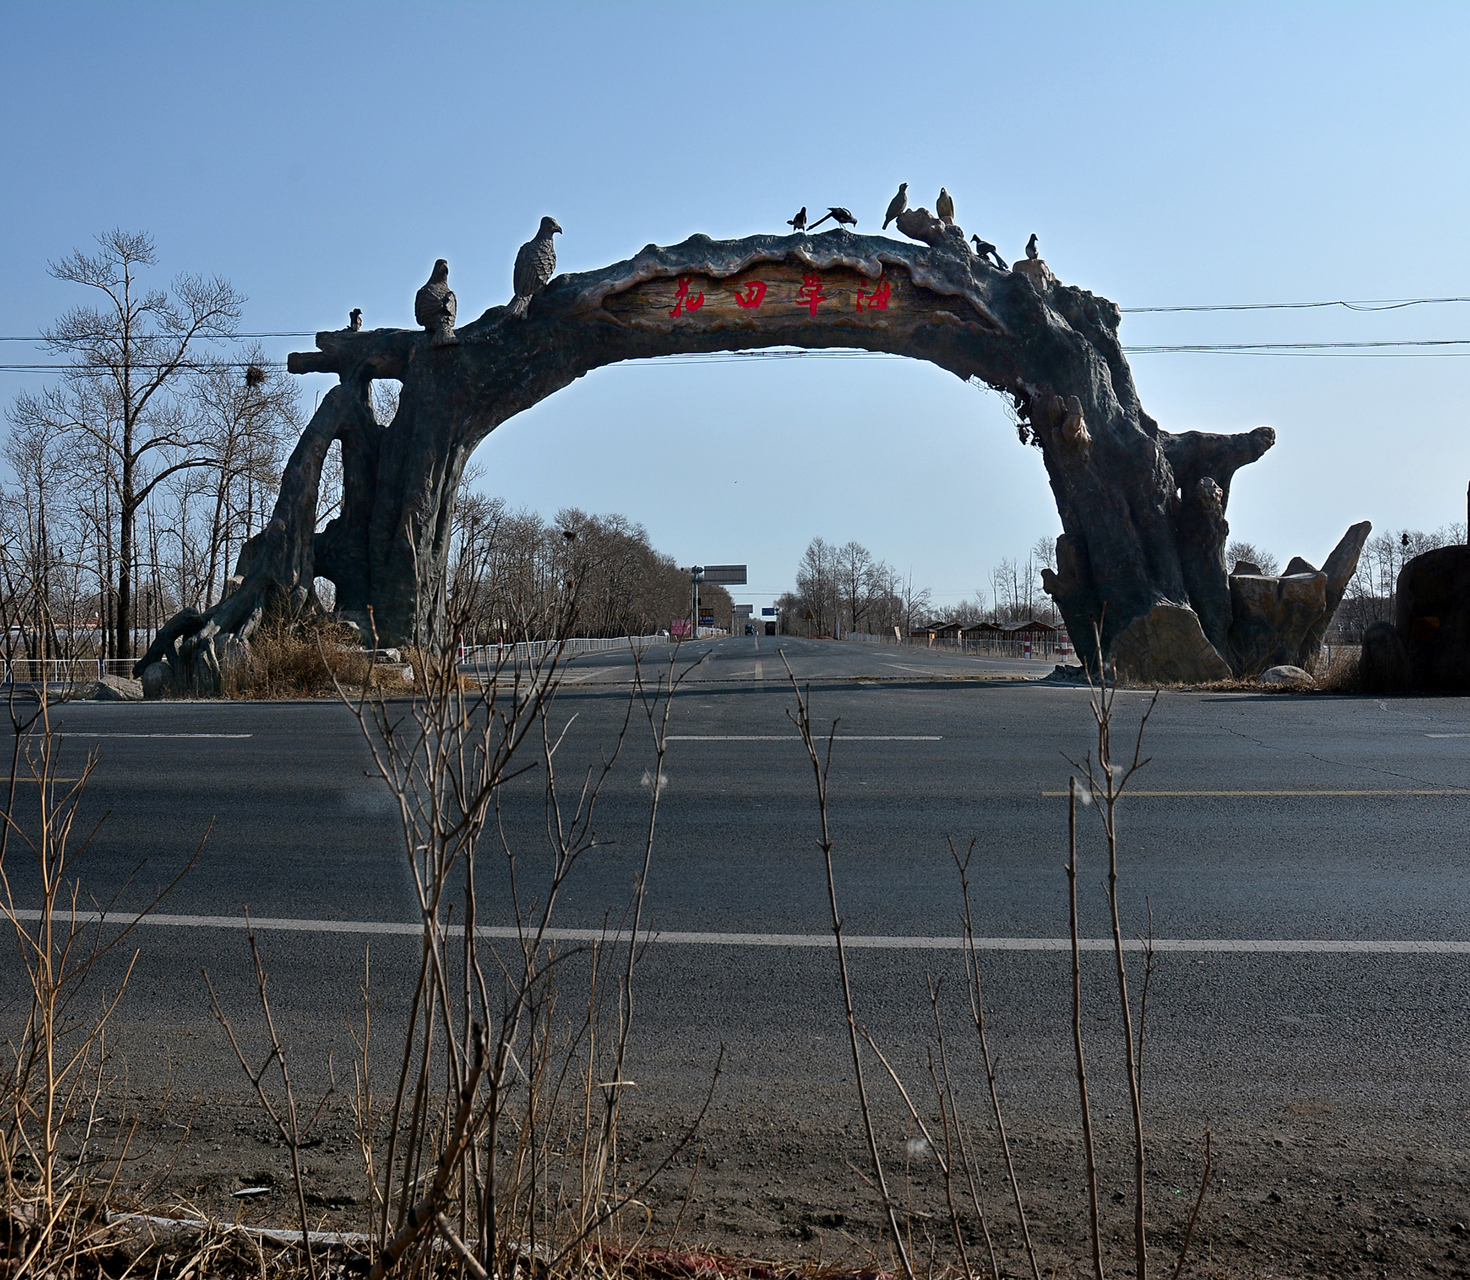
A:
(1106, 782)
(1087, 1145)
(466, 1149)
(821, 762)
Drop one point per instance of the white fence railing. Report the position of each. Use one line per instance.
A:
(63, 671)
(1013, 645)
(486, 657)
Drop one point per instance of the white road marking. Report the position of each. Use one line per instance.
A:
(1448, 791)
(759, 673)
(1447, 735)
(871, 942)
(791, 737)
(82, 733)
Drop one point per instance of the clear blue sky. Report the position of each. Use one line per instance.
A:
(321, 156)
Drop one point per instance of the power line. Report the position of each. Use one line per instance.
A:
(1360, 304)
(1297, 346)
(1401, 348)
(1370, 304)
(283, 333)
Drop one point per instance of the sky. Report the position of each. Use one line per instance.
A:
(321, 156)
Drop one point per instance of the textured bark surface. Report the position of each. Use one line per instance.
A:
(1143, 511)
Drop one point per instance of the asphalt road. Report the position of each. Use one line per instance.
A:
(1323, 820)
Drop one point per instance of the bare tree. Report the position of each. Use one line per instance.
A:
(246, 419)
(128, 355)
(1371, 595)
(1252, 554)
(916, 604)
(854, 570)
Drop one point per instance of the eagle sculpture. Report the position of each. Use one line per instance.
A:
(534, 266)
(434, 306)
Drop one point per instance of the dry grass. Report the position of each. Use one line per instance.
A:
(310, 660)
(1341, 674)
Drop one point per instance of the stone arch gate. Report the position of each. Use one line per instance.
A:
(1141, 559)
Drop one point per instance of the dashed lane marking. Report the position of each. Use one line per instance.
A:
(791, 737)
(84, 733)
(871, 942)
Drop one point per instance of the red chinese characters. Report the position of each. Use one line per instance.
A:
(811, 292)
(877, 300)
(750, 294)
(683, 302)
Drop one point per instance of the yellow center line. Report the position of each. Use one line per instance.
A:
(1402, 792)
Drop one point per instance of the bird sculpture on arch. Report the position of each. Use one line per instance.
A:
(1140, 578)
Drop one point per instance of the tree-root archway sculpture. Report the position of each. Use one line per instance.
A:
(1141, 559)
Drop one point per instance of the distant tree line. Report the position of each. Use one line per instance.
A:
(845, 589)
(516, 576)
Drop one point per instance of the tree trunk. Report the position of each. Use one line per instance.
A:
(1143, 510)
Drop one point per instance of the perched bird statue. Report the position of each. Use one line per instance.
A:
(1031, 247)
(897, 205)
(987, 250)
(354, 319)
(798, 223)
(944, 206)
(839, 214)
(434, 306)
(534, 265)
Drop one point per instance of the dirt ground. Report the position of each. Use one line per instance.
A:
(1317, 1202)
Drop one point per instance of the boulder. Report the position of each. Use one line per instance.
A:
(1272, 618)
(114, 689)
(1384, 664)
(1433, 619)
(158, 680)
(1167, 645)
(1340, 567)
(1287, 676)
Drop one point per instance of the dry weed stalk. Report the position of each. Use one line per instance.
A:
(1106, 782)
(286, 1120)
(821, 766)
(56, 1163)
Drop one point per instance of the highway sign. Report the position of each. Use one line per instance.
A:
(768, 613)
(744, 610)
(725, 575)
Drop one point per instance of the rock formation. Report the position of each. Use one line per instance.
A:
(1432, 619)
(1140, 562)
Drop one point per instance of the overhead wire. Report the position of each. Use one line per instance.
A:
(1421, 347)
(1383, 349)
(1369, 304)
